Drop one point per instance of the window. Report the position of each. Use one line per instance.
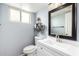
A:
(26, 18)
(17, 15)
(14, 15)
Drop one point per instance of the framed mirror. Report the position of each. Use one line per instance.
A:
(62, 21)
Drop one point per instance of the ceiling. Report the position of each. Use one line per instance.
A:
(54, 5)
(31, 7)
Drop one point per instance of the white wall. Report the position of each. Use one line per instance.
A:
(14, 36)
(43, 14)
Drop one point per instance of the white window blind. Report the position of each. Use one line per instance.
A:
(14, 15)
(26, 18)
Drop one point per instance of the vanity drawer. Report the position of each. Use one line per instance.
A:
(43, 50)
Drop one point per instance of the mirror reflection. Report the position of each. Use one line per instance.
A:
(61, 21)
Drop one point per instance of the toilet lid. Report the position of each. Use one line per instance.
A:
(30, 47)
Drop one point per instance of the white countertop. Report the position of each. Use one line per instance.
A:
(67, 46)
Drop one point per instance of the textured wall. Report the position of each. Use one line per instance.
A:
(14, 36)
(43, 14)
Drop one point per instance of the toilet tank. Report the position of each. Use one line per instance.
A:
(37, 38)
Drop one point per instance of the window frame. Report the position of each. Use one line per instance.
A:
(21, 10)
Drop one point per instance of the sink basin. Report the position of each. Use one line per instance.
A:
(48, 41)
(54, 43)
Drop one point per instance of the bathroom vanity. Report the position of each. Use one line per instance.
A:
(50, 47)
(62, 30)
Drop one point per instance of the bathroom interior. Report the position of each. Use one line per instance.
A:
(39, 29)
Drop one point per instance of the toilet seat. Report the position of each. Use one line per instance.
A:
(29, 49)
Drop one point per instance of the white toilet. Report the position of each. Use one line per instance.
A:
(31, 49)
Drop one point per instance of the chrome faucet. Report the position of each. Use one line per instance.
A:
(58, 39)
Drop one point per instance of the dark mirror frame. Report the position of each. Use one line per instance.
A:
(74, 22)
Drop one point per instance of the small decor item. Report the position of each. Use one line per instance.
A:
(39, 27)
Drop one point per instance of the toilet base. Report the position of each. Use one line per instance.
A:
(32, 54)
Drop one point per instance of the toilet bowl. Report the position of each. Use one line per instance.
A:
(31, 49)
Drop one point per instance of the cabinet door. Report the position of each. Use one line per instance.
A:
(42, 52)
